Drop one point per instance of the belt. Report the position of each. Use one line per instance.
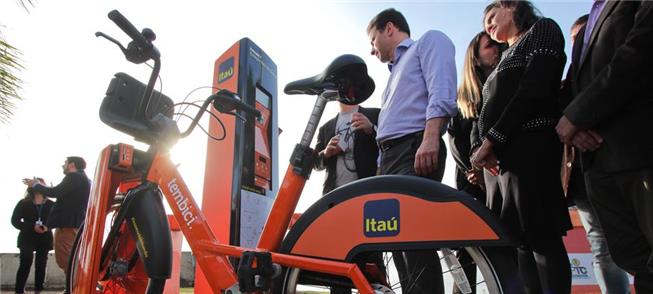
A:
(386, 145)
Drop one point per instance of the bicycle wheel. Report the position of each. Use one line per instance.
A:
(72, 260)
(121, 269)
(495, 273)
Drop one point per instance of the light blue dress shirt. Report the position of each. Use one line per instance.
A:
(422, 85)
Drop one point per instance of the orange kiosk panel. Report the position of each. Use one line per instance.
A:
(241, 178)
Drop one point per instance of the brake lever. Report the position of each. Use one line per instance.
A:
(112, 40)
(133, 53)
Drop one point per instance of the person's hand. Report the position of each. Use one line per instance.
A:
(566, 130)
(360, 122)
(40, 229)
(484, 157)
(29, 182)
(332, 148)
(475, 176)
(426, 157)
(587, 140)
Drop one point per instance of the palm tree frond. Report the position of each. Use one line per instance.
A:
(9, 83)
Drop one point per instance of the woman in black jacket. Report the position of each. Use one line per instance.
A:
(515, 140)
(30, 216)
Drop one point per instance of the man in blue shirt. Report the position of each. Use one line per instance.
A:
(417, 103)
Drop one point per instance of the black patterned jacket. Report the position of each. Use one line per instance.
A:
(521, 95)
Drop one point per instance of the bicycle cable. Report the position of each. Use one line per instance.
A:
(160, 81)
(190, 93)
(188, 104)
(213, 115)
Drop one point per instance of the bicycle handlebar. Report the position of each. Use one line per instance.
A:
(227, 101)
(129, 29)
(141, 49)
(223, 101)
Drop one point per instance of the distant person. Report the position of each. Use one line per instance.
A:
(609, 120)
(69, 211)
(417, 103)
(482, 56)
(30, 217)
(610, 278)
(346, 146)
(516, 142)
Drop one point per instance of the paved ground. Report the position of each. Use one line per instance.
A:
(184, 291)
(30, 292)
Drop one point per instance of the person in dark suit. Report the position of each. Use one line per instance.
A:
(30, 216)
(610, 278)
(610, 120)
(69, 211)
(346, 146)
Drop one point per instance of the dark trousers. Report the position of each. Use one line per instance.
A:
(527, 196)
(419, 271)
(26, 257)
(542, 258)
(623, 202)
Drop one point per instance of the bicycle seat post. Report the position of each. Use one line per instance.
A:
(301, 165)
(316, 115)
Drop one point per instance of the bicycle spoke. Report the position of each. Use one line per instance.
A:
(485, 280)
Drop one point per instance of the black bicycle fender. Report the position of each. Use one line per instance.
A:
(150, 229)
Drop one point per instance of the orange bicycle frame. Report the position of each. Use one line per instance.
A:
(211, 255)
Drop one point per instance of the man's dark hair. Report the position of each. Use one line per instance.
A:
(79, 162)
(524, 13)
(581, 21)
(389, 15)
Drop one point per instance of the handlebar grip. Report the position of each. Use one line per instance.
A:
(128, 28)
(227, 101)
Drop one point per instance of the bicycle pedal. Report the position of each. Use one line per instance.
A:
(118, 268)
(256, 271)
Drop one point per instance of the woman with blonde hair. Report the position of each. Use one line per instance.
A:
(481, 57)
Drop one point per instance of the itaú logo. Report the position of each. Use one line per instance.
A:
(381, 218)
(182, 202)
(226, 70)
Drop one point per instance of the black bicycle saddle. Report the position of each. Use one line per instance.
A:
(347, 74)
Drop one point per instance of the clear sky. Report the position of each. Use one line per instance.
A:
(68, 70)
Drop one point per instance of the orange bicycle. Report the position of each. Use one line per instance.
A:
(375, 215)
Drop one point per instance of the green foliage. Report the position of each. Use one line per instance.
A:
(9, 82)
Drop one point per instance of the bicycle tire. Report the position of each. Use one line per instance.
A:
(134, 281)
(498, 275)
(72, 259)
